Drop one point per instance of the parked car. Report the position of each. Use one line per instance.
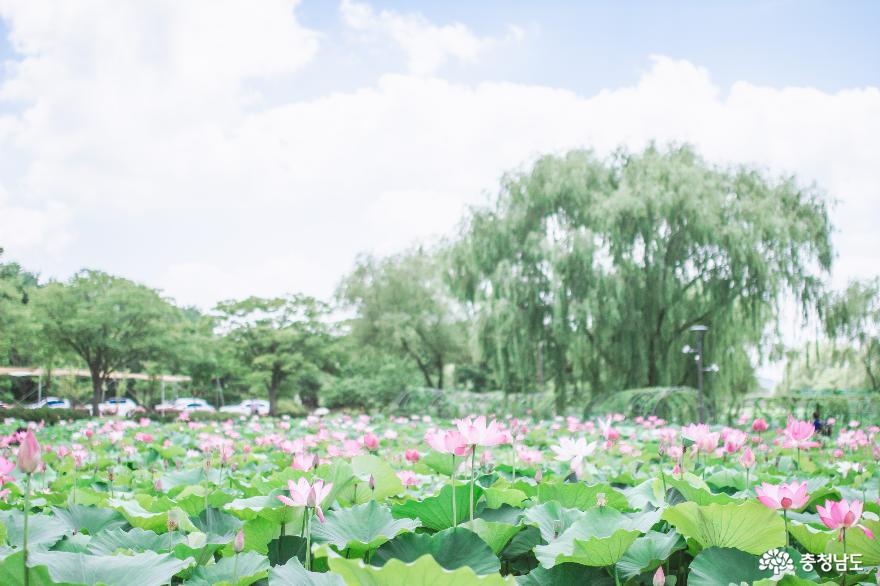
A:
(248, 407)
(50, 403)
(122, 406)
(185, 404)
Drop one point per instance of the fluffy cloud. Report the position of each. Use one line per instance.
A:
(427, 46)
(155, 117)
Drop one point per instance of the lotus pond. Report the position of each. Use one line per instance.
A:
(350, 500)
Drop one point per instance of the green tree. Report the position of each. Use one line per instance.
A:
(590, 272)
(280, 341)
(404, 307)
(109, 322)
(853, 317)
(17, 344)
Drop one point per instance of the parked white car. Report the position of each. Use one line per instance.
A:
(122, 406)
(185, 404)
(50, 403)
(248, 407)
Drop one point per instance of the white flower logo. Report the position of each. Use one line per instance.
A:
(778, 561)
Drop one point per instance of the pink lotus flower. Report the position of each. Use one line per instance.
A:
(371, 442)
(303, 494)
(843, 515)
(6, 468)
(409, 478)
(412, 456)
(783, 496)
(747, 459)
(447, 442)
(704, 439)
(476, 432)
(303, 462)
(29, 454)
(759, 425)
(659, 578)
(608, 432)
(798, 434)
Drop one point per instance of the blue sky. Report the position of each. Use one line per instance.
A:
(217, 150)
(587, 46)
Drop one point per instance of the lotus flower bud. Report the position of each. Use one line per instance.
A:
(372, 482)
(539, 475)
(29, 455)
(173, 520)
(312, 498)
(601, 501)
(659, 577)
(238, 544)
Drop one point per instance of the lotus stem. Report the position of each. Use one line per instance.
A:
(452, 477)
(27, 510)
(308, 539)
(473, 479)
(785, 518)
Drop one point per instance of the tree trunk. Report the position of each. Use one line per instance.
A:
(273, 399)
(97, 390)
(440, 373)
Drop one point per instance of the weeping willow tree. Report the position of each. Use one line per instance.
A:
(586, 274)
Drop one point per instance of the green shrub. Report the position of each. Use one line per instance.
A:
(48, 416)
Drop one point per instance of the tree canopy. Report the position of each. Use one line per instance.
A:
(109, 322)
(280, 341)
(404, 307)
(591, 271)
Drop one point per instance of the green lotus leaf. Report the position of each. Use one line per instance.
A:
(156, 521)
(294, 574)
(451, 548)
(552, 519)
(648, 552)
(425, 571)
(285, 548)
(92, 520)
(496, 534)
(728, 478)
(112, 540)
(360, 528)
(12, 571)
(43, 530)
(814, 540)
(144, 569)
(580, 496)
(750, 526)
(239, 570)
(185, 477)
(717, 566)
(495, 497)
(435, 512)
(219, 527)
(440, 463)
(578, 546)
(386, 480)
(566, 575)
(693, 489)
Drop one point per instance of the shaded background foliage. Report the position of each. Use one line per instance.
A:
(580, 280)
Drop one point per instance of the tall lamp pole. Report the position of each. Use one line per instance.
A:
(700, 331)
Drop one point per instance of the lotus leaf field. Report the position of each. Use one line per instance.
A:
(350, 500)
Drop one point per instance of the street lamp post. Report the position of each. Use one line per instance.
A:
(700, 331)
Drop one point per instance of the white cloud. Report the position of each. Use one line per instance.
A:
(135, 121)
(427, 46)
